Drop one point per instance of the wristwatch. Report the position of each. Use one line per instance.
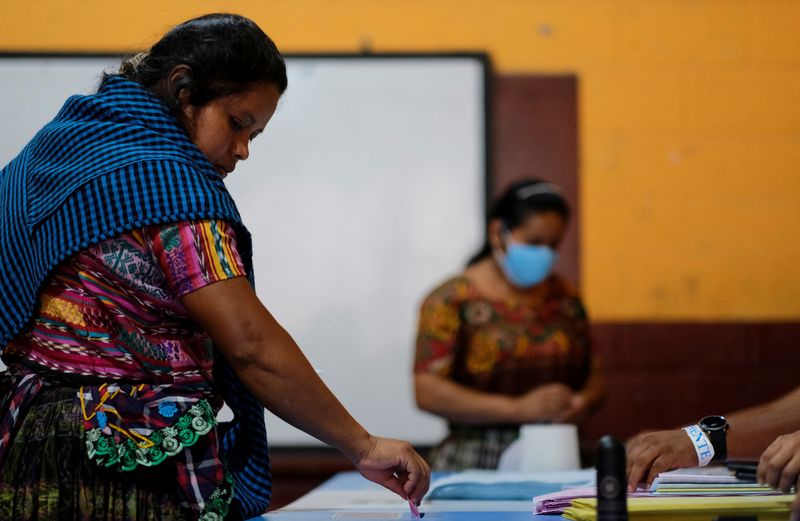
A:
(716, 428)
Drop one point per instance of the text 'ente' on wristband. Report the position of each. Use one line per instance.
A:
(702, 445)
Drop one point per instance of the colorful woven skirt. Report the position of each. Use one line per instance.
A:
(47, 475)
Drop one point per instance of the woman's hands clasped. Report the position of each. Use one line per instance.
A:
(549, 402)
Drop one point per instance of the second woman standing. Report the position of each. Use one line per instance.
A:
(506, 342)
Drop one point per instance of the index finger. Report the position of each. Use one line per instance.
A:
(761, 472)
(392, 482)
(639, 468)
(634, 448)
(659, 465)
(416, 487)
(775, 465)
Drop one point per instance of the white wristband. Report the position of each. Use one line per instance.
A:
(702, 445)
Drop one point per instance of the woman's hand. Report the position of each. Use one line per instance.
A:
(544, 403)
(779, 466)
(397, 466)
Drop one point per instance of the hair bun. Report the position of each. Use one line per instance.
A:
(131, 64)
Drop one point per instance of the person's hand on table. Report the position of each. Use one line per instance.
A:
(650, 453)
(544, 403)
(779, 466)
(397, 466)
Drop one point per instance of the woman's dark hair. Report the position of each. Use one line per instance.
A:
(224, 54)
(521, 200)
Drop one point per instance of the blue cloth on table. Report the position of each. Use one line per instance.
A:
(501, 491)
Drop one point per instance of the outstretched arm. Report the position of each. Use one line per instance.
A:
(270, 364)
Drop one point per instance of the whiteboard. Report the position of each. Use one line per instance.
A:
(366, 190)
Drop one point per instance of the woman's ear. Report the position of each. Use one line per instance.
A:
(179, 91)
(494, 234)
(178, 85)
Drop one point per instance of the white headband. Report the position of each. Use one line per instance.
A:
(538, 189)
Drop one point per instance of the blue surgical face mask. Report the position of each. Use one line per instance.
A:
(525, 265)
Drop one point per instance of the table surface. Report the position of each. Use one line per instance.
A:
(349, 496)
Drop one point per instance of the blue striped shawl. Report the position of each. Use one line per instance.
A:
(107, 164)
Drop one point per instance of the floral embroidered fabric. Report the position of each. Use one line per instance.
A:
(136, 449)
(504, 347)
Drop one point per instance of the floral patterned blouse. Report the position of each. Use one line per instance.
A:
(504, 347)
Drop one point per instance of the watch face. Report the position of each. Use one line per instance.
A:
(713, 423)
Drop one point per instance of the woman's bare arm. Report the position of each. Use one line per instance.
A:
(460, 404)
(270, 364)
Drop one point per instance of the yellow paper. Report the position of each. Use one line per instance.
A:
(767, 508)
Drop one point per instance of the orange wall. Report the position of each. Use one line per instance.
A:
(689, 114)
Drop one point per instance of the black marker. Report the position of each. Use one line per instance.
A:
(611, 492)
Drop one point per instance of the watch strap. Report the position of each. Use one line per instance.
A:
(719, 440)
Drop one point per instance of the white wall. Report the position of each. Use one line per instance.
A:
(365, 191)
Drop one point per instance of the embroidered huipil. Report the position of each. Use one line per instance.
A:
(499, 347)
(112, 314)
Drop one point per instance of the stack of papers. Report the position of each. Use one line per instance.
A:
(705, 481)
(672, 492)
(767, 508)
(557, 502)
